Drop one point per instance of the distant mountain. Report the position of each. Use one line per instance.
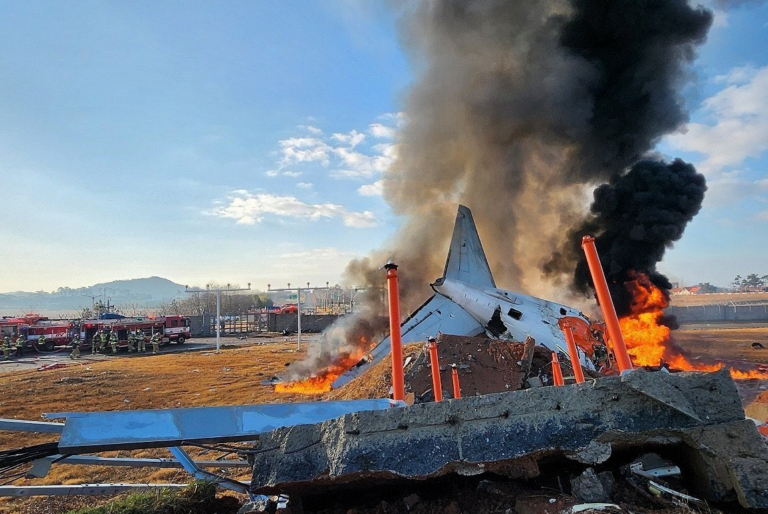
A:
(147, 292)
(155, 288)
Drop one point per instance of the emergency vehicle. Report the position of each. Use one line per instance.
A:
(60, 332)
(174, 328)
(32, 326)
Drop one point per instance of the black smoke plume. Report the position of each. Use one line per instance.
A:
(518, 110)
(635, 218)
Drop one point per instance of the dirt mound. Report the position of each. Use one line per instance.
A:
(484, 366)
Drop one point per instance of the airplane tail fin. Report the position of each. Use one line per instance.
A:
(466, 259)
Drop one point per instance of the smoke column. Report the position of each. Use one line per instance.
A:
(519, 109)
(635, 218)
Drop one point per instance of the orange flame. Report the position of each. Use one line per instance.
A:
(321, 382)
(649, 342)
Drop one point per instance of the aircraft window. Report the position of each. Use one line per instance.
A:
(563, 311)
(516, 314)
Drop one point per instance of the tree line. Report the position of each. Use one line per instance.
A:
(752, 282)
(192, 304)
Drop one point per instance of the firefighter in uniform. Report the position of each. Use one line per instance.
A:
(7, 348)
(156, 342)
(131, 341)
(75, 347)
(20, 346)
(113, 341)
(41, 341)
(95, 342)
(141, 343)
(103, 340)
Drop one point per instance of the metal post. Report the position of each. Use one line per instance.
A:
(573, 352)
(606, 304)
(557, 372)
(437, 385)
(455, 378)
(298, 313)
(398, 380)
(218, 321)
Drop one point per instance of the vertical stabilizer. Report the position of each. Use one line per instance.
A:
(466, 259)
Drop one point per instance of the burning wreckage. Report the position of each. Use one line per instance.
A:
(590, 428)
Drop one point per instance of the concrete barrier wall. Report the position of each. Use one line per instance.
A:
(716, 313)
(309, 322)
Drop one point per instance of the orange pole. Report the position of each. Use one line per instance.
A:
(573, 352)
(606, 304)
(455, 378)
(398, 379)
(437, 385)
(557, 372)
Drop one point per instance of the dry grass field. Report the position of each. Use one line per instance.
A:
(232, 377)
(205, 378)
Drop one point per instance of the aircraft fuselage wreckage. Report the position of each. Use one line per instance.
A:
(468, 303)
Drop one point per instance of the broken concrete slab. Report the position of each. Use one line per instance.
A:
(588, 487)
(509, 433)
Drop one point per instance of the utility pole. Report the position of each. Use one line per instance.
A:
(93, 300)
(218, 292)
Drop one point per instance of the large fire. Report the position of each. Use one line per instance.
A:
(649, 341)
(321, 382)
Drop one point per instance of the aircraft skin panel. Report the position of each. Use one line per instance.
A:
(466, 259)
(438, 314)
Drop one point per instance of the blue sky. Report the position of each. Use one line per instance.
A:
(245, 141)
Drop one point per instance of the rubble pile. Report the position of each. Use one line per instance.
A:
(575, 433)
(484, 366)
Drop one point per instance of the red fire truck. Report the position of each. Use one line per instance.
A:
(60, 332)
(174, 328)
(32, 326)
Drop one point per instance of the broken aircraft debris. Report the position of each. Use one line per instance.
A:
(468, 303)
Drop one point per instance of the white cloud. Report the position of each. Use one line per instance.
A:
(761, 216)
(347, 152)
(740, 122)
(304, 149)
(359, 165)
(733, 187)
(381, 131)
(351, 138)
(375, 189)
(305, 185)
(398, 117)
(312, 130)
(248, 209)
(740, 75)
(360, 219)
(285, 173)
(306, 263)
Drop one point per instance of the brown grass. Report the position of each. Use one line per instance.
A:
(232, 377)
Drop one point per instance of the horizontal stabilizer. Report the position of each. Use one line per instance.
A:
(438, 314)
(466, 259)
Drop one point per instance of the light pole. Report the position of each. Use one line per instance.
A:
(93, 299)
(298, 307)
(218, 292)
